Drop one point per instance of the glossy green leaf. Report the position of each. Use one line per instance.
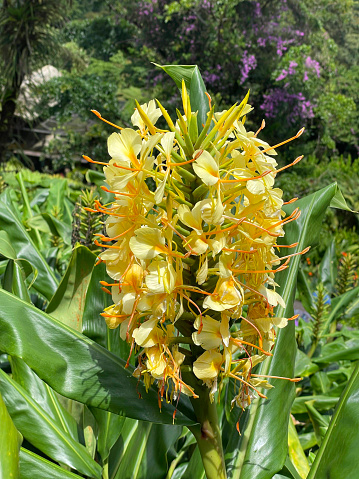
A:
(304, 290)
(14, 280)
(10, 441)
(93, 325)
(46, 223)
(109, 430)
(78, 368)
(42, 431)
(303, 365)
(195, 466)
(6, 248)
(266, 421)
(338, 455)
(338, 307)
(339, 202)
(44, 396)
(296, 453)
(320, 422)
(57, 194)
(68, 303)
(333, 352)
(33, 466)
(321, 403)
(141, 451)
(328, 268)
(21, 241)
(195, 86)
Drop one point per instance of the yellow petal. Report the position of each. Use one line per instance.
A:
(208, 365)
(206, 168)
(148, 243)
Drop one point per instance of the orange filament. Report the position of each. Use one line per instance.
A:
(297, 160)
(87, 158)
(293, 245)
(95, 112)
(209, 99)
(252, 251)
(305, 250)
(246, 179)
(260, 339)
(293, 200)
(239, 342)
(116, 192)
(261, 128)
(106, 291)
(281, 143)
(248, 384)
(292, 380)
(125, 167)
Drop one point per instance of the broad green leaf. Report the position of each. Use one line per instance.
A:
(141, 451)
(296, 453)
(195, 467)
(304, 289)
(267, 421)
(321, 403)
(109, 430)
(44, 396)
(328, 268)
(10, 441)
(78, 368)
(33, 466)
(339, 202)
(47, 223)
(21, 241)
(14, 281)
(6, 248)
(93, 325)
(42, 431)
(68, 303)
(308, 440)
(338, 455)
(320, 422)
(57, 194)
(303, 365)
(337, 352)
(339, 305)
(195, 86)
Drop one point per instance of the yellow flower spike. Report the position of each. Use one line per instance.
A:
(203, 239)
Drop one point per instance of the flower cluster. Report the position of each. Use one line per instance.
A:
(191, 247)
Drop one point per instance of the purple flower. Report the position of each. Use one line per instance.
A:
(249, 63)
(305, 76)
(313, 65)
(282, 75)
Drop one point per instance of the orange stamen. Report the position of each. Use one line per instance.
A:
(246, 179)
(293, 200)
(281, 143)
(297, 160)
(87, 158)
(95, 112)
(292, 380)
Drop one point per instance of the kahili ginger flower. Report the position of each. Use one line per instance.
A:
(191, 247)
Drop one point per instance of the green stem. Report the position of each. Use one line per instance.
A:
(208, 436)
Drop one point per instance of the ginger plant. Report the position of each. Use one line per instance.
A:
(193, 262)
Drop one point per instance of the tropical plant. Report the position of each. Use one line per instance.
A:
(107, 422)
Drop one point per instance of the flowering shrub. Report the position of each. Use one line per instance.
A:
(194, 258)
